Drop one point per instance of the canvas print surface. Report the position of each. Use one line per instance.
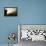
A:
(33, 32)
(10, 11)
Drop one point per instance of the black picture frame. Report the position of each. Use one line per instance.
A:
(10, 11)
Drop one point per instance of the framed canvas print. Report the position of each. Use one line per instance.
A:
(10, 11)
(32, 32)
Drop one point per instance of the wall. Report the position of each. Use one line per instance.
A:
(34, 12)
(29, 12)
